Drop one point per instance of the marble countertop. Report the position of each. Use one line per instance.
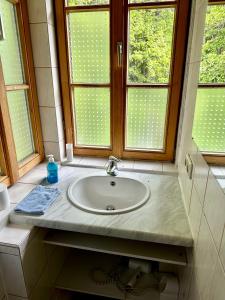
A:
(162, 219)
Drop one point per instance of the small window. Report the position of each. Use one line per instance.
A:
(209, 122)
(121, 72)
(21, 136)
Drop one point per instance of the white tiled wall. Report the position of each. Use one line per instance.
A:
(41, 18)
(204, 279)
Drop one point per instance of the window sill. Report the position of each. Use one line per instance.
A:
(125, 165)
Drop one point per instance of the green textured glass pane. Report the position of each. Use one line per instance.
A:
(89, 46)
(10, 50)
(209, 121)
(21, 125)
(92, 115)
(212, 67)
(146, 115)
(150, 45)
(86, 2)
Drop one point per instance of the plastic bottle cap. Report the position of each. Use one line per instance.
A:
(51, 158)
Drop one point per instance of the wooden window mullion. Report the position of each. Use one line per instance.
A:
(7, 133)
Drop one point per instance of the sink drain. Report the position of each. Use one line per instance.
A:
(110, 207)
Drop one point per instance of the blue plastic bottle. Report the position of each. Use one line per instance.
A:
(52, 169)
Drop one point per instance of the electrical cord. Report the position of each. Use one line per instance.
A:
(120, 276)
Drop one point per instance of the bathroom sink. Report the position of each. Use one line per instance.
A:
(108, 195)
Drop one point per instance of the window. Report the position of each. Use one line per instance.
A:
(20, 136)
(121, 66)
(209, 123)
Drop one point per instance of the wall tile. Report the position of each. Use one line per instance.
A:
(49, 124)
(186, 186)
(222, 250)
(55, 148)
(48, 86)
(200, 175)
(59, 120)
(126, 164)
(194, 293)
(50, 11)
(37, 11)
(218, 283)
(52, 44)
(185, 275)
(214, 209)
(56, 86)
(198, 30)
(151, 166)
(52, 148)
(195, 213)
(169, 168)
(205, 260)
(91, 161)
(40, 45)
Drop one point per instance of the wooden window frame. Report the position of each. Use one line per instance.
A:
(118, 77)
(213, 158)
(14, 169)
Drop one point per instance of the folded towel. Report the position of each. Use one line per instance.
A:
(38, 200)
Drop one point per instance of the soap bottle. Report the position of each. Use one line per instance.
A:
(52, 169)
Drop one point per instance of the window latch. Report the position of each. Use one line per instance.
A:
(119, 53)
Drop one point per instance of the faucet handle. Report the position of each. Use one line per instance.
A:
(113, 158)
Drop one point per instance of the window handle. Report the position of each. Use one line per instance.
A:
(119, 53)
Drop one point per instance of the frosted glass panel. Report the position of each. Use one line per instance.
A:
(21, 125)
(10, 51)
(89, 46)
(86, 2)
(150, 45)
(209, 122)
(212, 67)
(92, 115)
(145, 121)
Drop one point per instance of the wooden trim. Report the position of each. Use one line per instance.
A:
(211, 85)
(117, 112)
(148, 85)
(5, 180)
(92, 152)
(29, 163)
(13, 1)
(3, 164)
(216, 2)
(69, 9)
(215, 159)
(149, 5)
(16, 87)
(7, 135)
(90, 85)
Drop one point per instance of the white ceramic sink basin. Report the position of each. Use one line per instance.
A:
(103, 194)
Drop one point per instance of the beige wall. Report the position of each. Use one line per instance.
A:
(204, 199)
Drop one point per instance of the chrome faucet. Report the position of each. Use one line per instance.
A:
(112, 168)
